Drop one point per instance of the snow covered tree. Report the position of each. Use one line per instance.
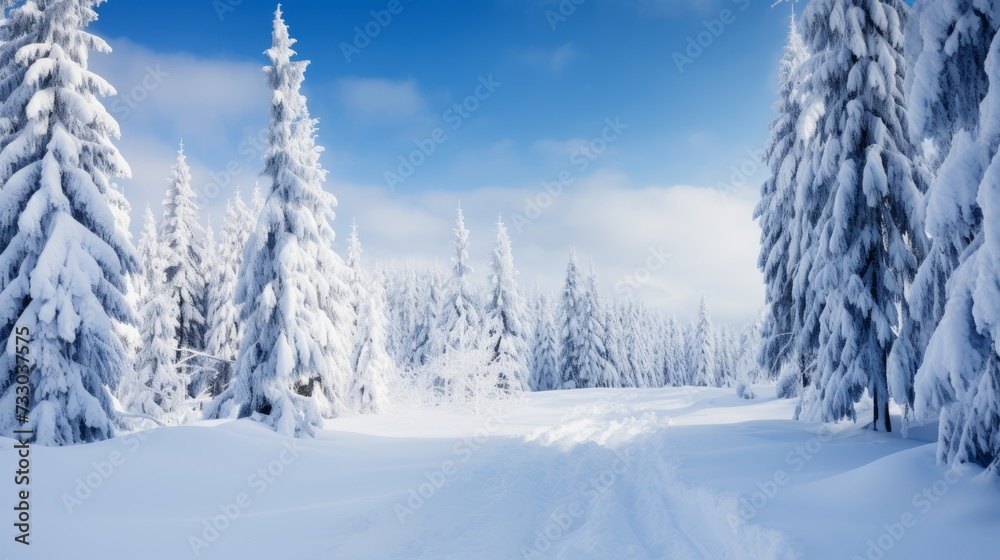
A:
(674, 357)
(618, 341)
(702, 351)
(371, 364)
(949, 83)
(421, 344)
(749, 344)
(545, 349)
(870, 232)
(958, 378)
(583, 358)
(285, 376)
(63, 258)
(504, 316)
(127, 332)
(224, 327)
(182, 236)
(776, 209)
(161, 390)
(373, 368)
(459, 325)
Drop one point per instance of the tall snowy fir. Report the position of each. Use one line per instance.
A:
(948, 84)
(545, 349)
(183, 238)
(224, 327)
(870, 232)
(702, 358)
(64, 260)
(597, 315)
(284, 373)
(776, 209)
(160, 389)
(583, 359)
(504, 320)
(958, 379)
(459, 325)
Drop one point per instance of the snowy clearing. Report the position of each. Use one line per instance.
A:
(602, 474)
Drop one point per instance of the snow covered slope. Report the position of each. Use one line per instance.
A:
(589, 474)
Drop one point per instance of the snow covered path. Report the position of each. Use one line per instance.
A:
(593, 474)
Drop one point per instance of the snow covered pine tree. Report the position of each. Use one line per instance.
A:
(64, 259)
(870, 232)
(286, 374)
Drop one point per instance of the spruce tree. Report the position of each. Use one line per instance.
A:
(504, 320)
(224, 328)
(182, 237)
(702, 357)
(63, 258)
(459, 326)
(285, 372)
(545, 349)
(949, 82)
(776, 209)
(870, 231)
(957, 380)
(161, 390)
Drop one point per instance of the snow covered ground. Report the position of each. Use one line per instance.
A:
(588, 474)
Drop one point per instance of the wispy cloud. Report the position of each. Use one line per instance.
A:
(379, 99)
(553, 60)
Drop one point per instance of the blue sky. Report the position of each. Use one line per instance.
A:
(660, 202)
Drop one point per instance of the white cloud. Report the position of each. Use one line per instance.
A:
(179, 93)
(553, 60)
(560, 147)
(382, 100)
(710, 238)
(163, 98)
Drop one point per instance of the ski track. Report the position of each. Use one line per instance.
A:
(596, 481)
(615, 468)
